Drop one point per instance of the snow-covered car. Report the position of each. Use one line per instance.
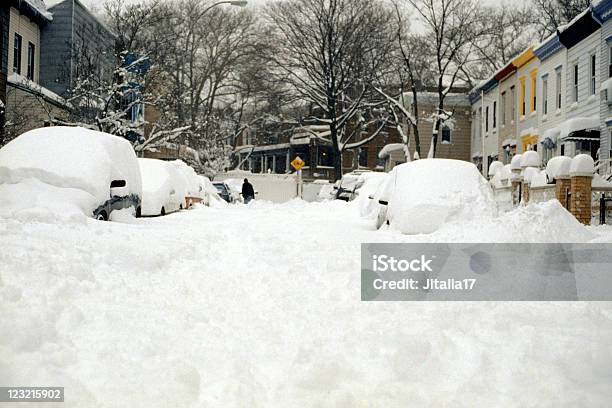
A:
(420, 196)
(211, 195)
(224, 191)
(69, 170)
(349, 184)
(163, 187)
(194, 192)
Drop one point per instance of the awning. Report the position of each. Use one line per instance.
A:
(591, 134)
(575, 129)
(509, 142)
(477, 155)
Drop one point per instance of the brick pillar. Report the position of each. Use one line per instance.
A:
(562, 187)
(517, 181)
(580, 202)
(526, 192)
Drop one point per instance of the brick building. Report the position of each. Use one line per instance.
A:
(272, 147)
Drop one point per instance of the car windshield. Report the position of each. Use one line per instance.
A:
(220, 188)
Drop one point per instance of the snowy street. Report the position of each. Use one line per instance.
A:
(260, 306)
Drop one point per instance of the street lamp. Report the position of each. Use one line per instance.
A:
(237, 3)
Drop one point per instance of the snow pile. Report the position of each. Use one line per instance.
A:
(515, 163)
(389, 148)
(558, 167)
(582, 165)
(428, 193)
(70, 158)
(249, 307)
(529, 173)
(540, 222)
(539, 179)
(494, 167)
(530, 159)
(501, 177)
(600, 182)
(33, 200)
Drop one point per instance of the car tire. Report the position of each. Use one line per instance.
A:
(138, 212)
(102, 216)
(163, 211)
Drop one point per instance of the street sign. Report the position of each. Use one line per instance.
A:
(297, 163)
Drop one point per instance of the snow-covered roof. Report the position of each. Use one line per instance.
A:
(569, 126)
(19, 80)
(389, 148)
(509, 142)
(38, 7)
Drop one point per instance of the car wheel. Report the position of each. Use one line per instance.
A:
(181, 207)
(163, 211)
(138, 212)
(102, 216)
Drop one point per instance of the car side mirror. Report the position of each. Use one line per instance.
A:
(383, 202)
(118, 188)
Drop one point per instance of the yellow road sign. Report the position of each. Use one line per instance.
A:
(297, 163)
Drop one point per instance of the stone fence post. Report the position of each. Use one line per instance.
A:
(558, 169)
(581, 177)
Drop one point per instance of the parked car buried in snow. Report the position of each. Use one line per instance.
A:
(163, 187)
(225, 192)
(420, 196)
(349, 184)
(67, 169)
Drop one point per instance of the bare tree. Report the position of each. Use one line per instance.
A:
(329, 51)
(451, 27)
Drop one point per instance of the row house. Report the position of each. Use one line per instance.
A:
(270, 148)
(548, 98)
(4, 44)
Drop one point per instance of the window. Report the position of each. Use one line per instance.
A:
(512, 103)
(487, 119)
(17, 54)
(503, 108)
(522, 95)
(446, 135)
(593, 70)
(610, 62)
(575, 87)
(363, 157)
(545, 95)
(533, 104)
(494, 114)
(31, 59)
(558, 86)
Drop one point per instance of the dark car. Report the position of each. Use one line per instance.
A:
(224, 191)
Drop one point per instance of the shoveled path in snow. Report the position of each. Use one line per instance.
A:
(260, 306)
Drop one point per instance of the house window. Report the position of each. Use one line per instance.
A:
(503, 108)
(17, 54)
(575, 87)
(512, 103)
(494, 114)
(487, 119)
(592, 70)
(446, 135)
(558, 85)
(545, 95)
(31, 59)
(533, 91)
(610, 62)
(363, 157)
(522, 95)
